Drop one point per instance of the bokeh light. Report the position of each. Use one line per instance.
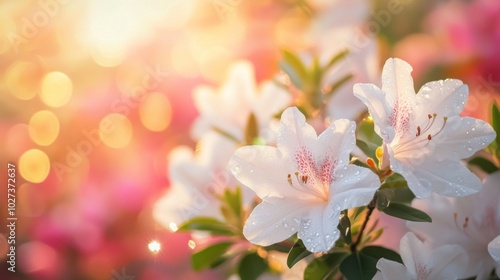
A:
(155, 112)
(56, 90)
(44, 127)
(115, 130)
(34, 166)
(22, 78)
(154, 246)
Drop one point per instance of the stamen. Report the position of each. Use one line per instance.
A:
(430, 122)
(466, 223)
(289, 179)
(411, 144)
(304, 179)
(445, 119)
(371, 163)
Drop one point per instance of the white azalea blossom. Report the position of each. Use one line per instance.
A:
(471, 222)
(229, 107)
(423, 133)
(494, 249)
(422, 262)
(304, 183)
(339, 25)
(197, 179)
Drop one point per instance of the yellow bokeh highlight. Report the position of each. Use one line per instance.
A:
(44, 127)
(57, 89)
(155, 112)
(115, 130)
(22, 79)
(34, 166)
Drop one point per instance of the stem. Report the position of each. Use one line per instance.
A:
(371, 207)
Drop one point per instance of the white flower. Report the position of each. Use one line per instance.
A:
(423, 133)
(422, 262)
(337, 26)
(304, 183)
(471, 222)
(228, 108)
(197, 179)
(494, 249)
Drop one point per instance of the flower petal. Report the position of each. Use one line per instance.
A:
(380, 110)
(406, 170)
(448, 262)
(180, 204)
(262, 169)
(294, 133)
(462, 137)
(397, 84)
(494, 249)
(391, 270)
(445, 98)
(354, 186)
(336, 142)
(274, 220)
(447, 177)
(412, 252)
(318, 229)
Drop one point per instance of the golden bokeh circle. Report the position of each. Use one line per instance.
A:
(115, 130)
(155, 112)
(56, 90)
(34, 166)
(44, 127)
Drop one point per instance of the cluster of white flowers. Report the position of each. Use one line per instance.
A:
(304, 180)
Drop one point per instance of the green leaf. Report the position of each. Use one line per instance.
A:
(357, 212)
(338, 57)
(406, 212)
(294, 68)
(394, 181)
(209, 256)
(384, 197)
(367, 148)
(345, 228)
(209, 224)
(297, 253)
(324, 267)
(495, 122)
(358, 266)
(485, 165)
(234, 200)
(225, 134)
(251, 129)
(251, 267)
(379, 252)
(366, 133)
(335, 86)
